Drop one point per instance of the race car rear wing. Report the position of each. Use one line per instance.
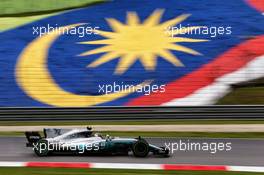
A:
(32, 137)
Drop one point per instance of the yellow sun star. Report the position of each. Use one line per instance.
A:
(141, 41)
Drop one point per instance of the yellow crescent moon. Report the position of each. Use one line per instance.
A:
(33, 76)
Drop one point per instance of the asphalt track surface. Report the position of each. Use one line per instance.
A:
(244, 152)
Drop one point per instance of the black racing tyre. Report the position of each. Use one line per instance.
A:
(41, 148)
(140, 148)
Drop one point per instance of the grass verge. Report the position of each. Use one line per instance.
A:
(247, 93)
(245, 96)
(7, 23)
(170, 134)
(14, 13)
(74, 171)
(15, 8)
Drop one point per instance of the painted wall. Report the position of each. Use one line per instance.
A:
(141, 53)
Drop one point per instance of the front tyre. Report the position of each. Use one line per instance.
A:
(140, 148)
(42, 148)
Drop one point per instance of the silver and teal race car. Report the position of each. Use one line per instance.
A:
(85, 141)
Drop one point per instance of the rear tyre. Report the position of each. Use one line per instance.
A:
(42, 148)
(140, 148)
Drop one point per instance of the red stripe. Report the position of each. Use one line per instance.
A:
(228, 62)
(194, 167)
(58, 164)
(258, 4)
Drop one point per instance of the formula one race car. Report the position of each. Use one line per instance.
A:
(84, 141)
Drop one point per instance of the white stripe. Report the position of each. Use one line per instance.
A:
(139, 166)
(245, 168)
(126, 166)
(211, 93)
(12, 164)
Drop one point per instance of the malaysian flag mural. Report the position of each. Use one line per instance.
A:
(133, 53)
